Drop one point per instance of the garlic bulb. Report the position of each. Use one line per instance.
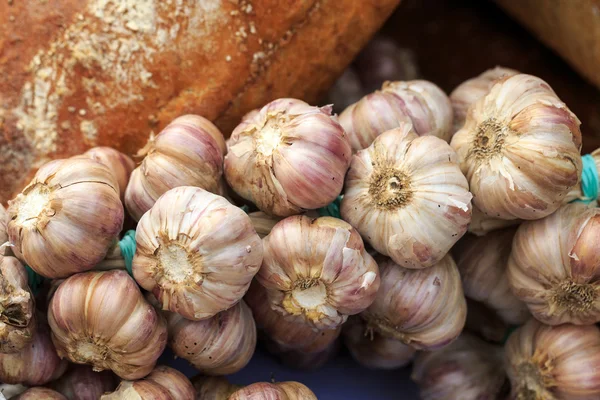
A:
(80, 382)
(288, 334)
(468, 369)
(481, 223)
(65, 220)
(288, 157)
(102, 319)
(485, 323)
(318, 271)
(274, 391)
(482, 263)
(300, 359)
(11, 391)
(554, 362)
(188, 152)
(163, 383)
(3, 222)
(473, 89)
(119, 164)
(373, 350)
(36, 364)
(554, 266)
(221, 345)
(406, 196)
(213, 387)
(17, 306)
(196, 252)
(425, 308)
(40, 393)
(418, 102)
(519, 149)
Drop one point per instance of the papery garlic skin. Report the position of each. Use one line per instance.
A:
(80, 382)
(483, 263)
(481, 224)
(17, 307)
(468, 369)
(39, 393)
(119, 164)
(36, 364)
(421, 103)
(317, 271)
(188, 152)
(471, 90)
(102, 319)
(554, 266)
(196, 252)
(11, 391)
(66, 219)
(274, 391)
(554, 362)
(373, 350)
(519, 149)
(288, 157)
(406, 196)
(263, 223)
(213, 387)
(425, 308)
(221, 345)
(163, 383)
(3, 222)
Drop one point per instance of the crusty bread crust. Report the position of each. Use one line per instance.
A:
(81, 73)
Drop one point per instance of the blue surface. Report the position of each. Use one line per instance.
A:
(341, 378)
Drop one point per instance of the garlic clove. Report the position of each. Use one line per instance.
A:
(119, 164)
(221, 345)
(287, 157)
(196, 252)
(519, 149)
(418, 102)
(275, 391)
(317, 271)
(554, 266)
(425, 308)
(482, 263)
(471, 90)
(407, 197)
(554, 362)
(37, 363)
(66, 219)
(213, 387)
(373, 350)
(80, 382)
(188, 152)
(163, 383)
(102, 319)
(38, 393)
(467, 369)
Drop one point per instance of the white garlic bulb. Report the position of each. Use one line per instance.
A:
(407, 197)
(519, 149)
(196, 252)
(288, 157)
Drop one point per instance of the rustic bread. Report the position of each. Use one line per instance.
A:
(81, 73)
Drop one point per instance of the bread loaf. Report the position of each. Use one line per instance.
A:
(81, 73)
(569, 27)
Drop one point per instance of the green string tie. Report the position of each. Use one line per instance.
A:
(34, 279)
(245, 209)
(589, 180)
(127, 245)
(331, 210)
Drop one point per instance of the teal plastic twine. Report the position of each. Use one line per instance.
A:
(331, 210)
(34, 279)
(245, 209)
(589, 180)
(127, 245)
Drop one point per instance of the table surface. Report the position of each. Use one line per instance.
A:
(340, 378)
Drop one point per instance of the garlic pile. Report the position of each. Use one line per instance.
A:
(554, 362)
(163, 383)
(482, 263)
(554, 266)
(288, 157)
(418, 102)
(519, 149)
(196, 252)
(423, 308)
(66, 219)
(80, 382)
(467, 369)
(102, 319)
(188, 152)
(317, 271)
(406, 196)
